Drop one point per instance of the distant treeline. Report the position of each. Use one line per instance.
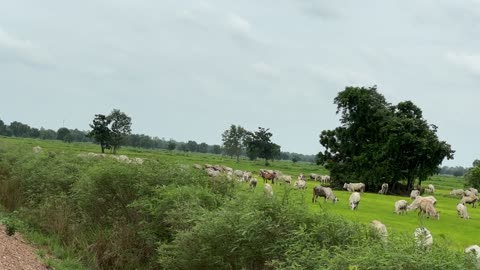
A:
(18, 129)
(455, 171)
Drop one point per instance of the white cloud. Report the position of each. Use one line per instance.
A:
(239, 24)
(468, 61)
(22, 50)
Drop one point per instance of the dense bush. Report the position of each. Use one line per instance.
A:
(167, 216)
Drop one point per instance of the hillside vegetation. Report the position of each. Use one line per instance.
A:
(164, 215)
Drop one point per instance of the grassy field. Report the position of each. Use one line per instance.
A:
(460, 233)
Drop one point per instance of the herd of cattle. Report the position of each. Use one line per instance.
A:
(424, 204)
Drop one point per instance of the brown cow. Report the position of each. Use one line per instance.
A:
(268, 176)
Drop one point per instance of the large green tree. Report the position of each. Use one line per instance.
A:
(378, 142)
(233, 141)
(259, 145)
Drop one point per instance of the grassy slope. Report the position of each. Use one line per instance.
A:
(372, 206)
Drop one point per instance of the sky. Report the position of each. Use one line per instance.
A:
(188, 69)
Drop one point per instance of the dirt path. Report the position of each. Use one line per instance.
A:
(16, 254)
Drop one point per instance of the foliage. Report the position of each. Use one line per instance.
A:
(260, 145)
(62, 133)
(171, 145)
(100, 131)
(164, 215)
(120, 127)
(379, 142)
(110, 131)
(473, 175)
(234, 140)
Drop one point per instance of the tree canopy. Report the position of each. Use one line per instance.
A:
(110, 131)
(379, 142)
(259, 145)
(473, 175)
(233, 141)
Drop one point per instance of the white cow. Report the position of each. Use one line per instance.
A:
(354, 187)
(354, 200)
(380, 228)
(475, 249)
(414, 194)
(384, 189)
(268, 190)
(423, 237)
(400, 207)
(462, 211)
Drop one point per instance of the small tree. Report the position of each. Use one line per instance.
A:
(473, 175)
(3, 128)
(120, 128)
(295, 159)
(233, 141)
(192, 146)
(62, 132)
(260, 145)
(100, 132)
(217, 149)
(171, 145)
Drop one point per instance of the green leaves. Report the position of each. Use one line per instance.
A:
(110, 131)
(379, 142)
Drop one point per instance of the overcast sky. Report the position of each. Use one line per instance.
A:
(188, 69)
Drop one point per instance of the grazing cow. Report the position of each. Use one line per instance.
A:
(325, 179)
(227, 169)
(475, 249)
(197, 166)
(474, 191)
(426, 208)
(416, 203)
(37, 149)
(380, 228)
(301, 177)
(456, 192)
(423, 237)
(430, 189)
(326, 193)
(253, 183)
(287, 179)
(212, 173)
(462, 211)
(238, 173)
(314, 176)
(414, 194)
(354, 200)
(268, 176)
(268, 190)
(472, 199)
(300, 184)
(354, 187)
(400, 207)
(246, 176)
(384, 189)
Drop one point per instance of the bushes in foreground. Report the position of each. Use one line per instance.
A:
(164, 216)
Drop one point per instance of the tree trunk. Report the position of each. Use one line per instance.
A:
(410, 183)
(238, 158)
(103, 149)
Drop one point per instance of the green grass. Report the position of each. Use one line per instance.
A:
(459, 232)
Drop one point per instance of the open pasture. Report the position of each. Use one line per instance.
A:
(460, 233)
